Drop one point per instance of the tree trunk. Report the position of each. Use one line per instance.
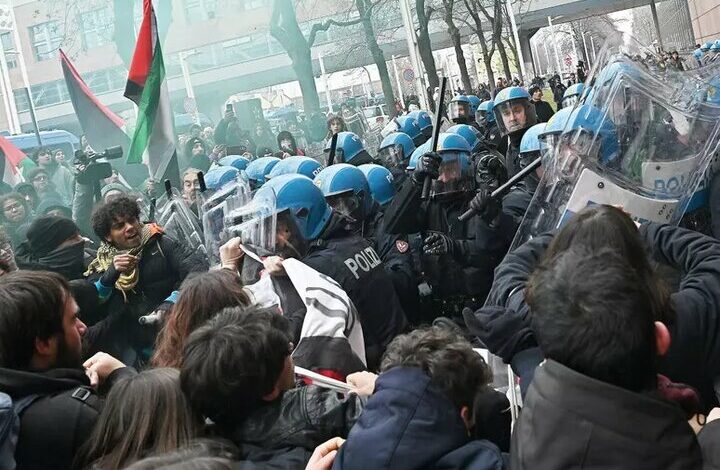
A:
(425, 46)
(503, 57)
(454, 33)
(378, 56)
(302, 65)
(514, 51)
(487, 56)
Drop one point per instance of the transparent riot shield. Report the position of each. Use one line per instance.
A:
(179, 221)
(255, 223)
(642, 140)
(215, 206)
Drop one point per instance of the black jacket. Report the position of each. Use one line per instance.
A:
(303, 417)
(543, 110)
(58, 422)
(409, 424)
(709, 439)
(354, 264)
(504, 323)
(570, 420)
(164, 264)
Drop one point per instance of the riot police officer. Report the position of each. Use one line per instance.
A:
(423, 120)
(514, 114)
(458, 110)
(350, 149)
(458, 272)
(309, 229)
(572, 95)
(474, 105)
(258, 169)
(488, 127)
(394, 154)
(296, 165)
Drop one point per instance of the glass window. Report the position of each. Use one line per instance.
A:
(9, 47)
(252, 4)
(21, 101)
(46, 39)
(96, 27)
(200, 10)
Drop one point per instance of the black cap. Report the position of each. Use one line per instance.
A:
(46, 233)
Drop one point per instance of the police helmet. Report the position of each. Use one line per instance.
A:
(236, 161)
(395, 150)
(455, 169)
(458, 110)
(346, 189)
(547, 139)
(220, 176)
(698, 54)
(572, 95)
(514, 113)
(304, 202)
(415, 157)
(423, 120)
(350, 149)
(590, 133)
(715, 46)
(296, 165)
(530, 145)
(380, 181)
(474, 104)
(706, 47)
(469, 133)
(410, 126)
(485, 113)
(259, 168)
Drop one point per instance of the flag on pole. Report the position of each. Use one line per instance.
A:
(154, 139)
(102, 127)
(11, 158)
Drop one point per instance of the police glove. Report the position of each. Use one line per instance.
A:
(438, 244)
(427, 165)
(486, 206)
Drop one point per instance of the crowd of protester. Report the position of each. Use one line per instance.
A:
(124, 346)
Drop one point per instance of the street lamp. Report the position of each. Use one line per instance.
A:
(190, 93)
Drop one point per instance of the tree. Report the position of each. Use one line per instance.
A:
(472, 9)
(456, 39)
(496, 26)
(424, 13)
(284, 27)
(365, 9)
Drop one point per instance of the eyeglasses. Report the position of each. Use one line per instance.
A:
(40, 178)
(13, 208)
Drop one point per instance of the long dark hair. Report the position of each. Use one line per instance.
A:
(201, 297)
(601, 227)
(144, 414)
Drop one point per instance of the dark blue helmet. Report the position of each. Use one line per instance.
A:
(423, 120)
(485, 113)
(469, 133)
(381, 182)
(296, 165)
(259, 168)
(514, 113)
(350, 149)
(395, 150)
(346, 189)
(459, 110)
(474, 104)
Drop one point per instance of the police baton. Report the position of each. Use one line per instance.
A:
(505, 188)
(439, 107)
(333, 148)
(201, 182)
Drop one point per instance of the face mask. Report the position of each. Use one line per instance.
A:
(68, 261)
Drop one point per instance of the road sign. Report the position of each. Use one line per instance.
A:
(568, 60)
(408, 75)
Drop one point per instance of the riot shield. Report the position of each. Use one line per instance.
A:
(179, 221)
(642, 140)
(255, 223)
(215, 206)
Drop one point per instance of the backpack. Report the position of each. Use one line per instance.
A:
(10, 412)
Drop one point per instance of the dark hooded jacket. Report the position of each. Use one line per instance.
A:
(288, 135)
(570, 420)
(60, 419)
(409, 424)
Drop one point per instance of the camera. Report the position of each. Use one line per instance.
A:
(90, 170)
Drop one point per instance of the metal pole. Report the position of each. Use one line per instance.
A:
(399, 84)
(536, 59)
(547, 57)
(325, 82)
(511, 14)
(189, 92)
(554, 40)
(587, 56)
(409, 26)
(653, 10)
(26, 80)
(8, 97)
(592, 44)
(572, 38)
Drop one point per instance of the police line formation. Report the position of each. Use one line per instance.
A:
(330, 312)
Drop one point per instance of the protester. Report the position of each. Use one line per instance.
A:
(27, 191)
(40, 370)
(197, 154)
(201, 297)
(287, 145)
(139, 269)
(54, 207)
(421, 410)
(335, 124)
(44, 187)
(595, 400)
(144, 414)
(53, 244)
(7, 256)
(15, 217)
(543, 109)
(200, 454)
(60, 177)
(112, 191)
(264, 414)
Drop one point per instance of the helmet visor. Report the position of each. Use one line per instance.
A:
(514, 115)
(570, 101)
(255, 224)
(392, 156)
(391, 127)
(459, 111)
(346, 204)
(453, 176)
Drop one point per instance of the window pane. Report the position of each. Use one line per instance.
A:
(21, 101)
(46, 39)
(96, 27)
(9, 46)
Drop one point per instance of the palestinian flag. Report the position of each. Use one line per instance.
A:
(102, 127)
(9, 160)
(154, 139)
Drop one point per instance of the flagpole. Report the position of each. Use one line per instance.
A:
(23, 72)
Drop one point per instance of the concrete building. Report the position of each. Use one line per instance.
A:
(705, 16)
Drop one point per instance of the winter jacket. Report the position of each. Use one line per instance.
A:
(303, 417)
(60, 420)
(409, 424)
(709, 439)
(64, 182)
(504, 323)
(570, 420)
(543, 110)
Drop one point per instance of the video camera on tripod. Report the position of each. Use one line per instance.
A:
(90, 170)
